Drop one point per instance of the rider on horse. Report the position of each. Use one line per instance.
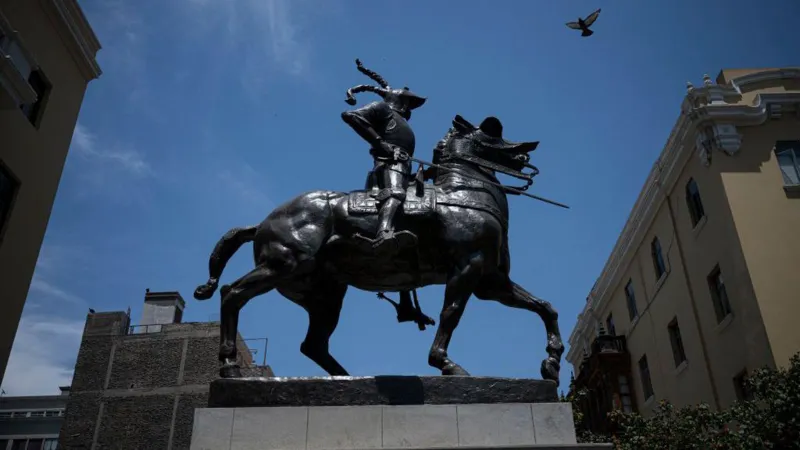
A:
(384, 125)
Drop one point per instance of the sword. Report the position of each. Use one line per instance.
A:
(403, 156)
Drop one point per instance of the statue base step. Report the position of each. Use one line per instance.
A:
(373, 427)
(380, 390)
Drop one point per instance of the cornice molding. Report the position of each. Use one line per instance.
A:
(712, 123)
(766, 75)
(76, 33)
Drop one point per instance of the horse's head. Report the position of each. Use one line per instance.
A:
(486, 141)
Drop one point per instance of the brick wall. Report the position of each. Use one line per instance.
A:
(138, 391)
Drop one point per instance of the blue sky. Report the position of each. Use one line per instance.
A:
(210, 113)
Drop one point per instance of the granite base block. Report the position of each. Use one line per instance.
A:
(380, 390)
(373, 427)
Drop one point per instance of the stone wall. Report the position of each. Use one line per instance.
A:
(140, 390)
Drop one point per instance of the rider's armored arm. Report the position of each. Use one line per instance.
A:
(365, 120)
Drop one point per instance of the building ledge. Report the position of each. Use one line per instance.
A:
(791, 188)
(699, 227)
(76, 33)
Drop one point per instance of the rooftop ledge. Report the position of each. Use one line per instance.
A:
(76, 33)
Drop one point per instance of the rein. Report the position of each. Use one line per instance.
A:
(402, 155)
(486, 164)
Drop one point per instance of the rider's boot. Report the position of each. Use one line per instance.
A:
(386, 243)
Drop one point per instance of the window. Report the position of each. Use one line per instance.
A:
(50, 444)
(788, 153)
(52, 413)
(19, 59)
(644, 374)
(3, 442)
(5, 415)
(678, 353)
(42, 88)
(743, 393)
(18, 444)
(8, 190)
(35, 444)
(625, 394)
(658, 259)
(37, 413)
(631, 300)
(719, 295)
(610, 325)
(696, 211)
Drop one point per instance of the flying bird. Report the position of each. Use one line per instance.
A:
(91, 311)
(584, 24)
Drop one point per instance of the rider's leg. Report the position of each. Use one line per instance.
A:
(391, 182)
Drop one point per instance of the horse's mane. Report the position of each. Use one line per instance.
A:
(442, 144)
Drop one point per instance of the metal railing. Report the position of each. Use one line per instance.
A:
(254, 351)
(145, 329)
(609, 344)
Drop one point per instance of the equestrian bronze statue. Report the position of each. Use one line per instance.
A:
(311, 248)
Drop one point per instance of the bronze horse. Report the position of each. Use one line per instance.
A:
(308, 250)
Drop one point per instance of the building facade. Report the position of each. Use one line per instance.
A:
(137, 386)
(32, 422)
(47, 58)
(701, 287)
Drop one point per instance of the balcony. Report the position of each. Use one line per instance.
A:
(16, 65)
(607, 353)
(605, 375)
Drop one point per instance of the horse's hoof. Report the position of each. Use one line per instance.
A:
(230, 371)
(205, 291)
(454, 369)
(427, 320)
(550, 370)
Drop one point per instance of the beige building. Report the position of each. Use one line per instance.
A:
(47, 58)
(702, 285)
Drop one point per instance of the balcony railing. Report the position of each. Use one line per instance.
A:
(609, 344)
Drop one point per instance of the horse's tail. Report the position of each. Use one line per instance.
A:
(222, 253)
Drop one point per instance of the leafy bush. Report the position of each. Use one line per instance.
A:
(769, 420)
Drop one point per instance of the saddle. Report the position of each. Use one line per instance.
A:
(363, 202)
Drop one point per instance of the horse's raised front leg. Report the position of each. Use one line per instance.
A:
(456, 294)
(258, 281)
(511, 294)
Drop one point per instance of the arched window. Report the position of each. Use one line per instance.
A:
(694, 202)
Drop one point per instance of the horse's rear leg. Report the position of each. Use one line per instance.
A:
(456, 294)
(323, 303)
(511, 294)
(258, 281)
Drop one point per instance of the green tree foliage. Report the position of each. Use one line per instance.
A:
(769, 420)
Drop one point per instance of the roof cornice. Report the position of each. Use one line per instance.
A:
(76, 33)
(712, 123)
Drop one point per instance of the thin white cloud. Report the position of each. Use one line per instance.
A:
(45, 289)
(278, 44)
(43, 356)
(244, 184)
(286, 49)
(54, 256)
(86, 145)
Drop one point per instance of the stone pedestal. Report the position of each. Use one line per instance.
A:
(370, 413)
